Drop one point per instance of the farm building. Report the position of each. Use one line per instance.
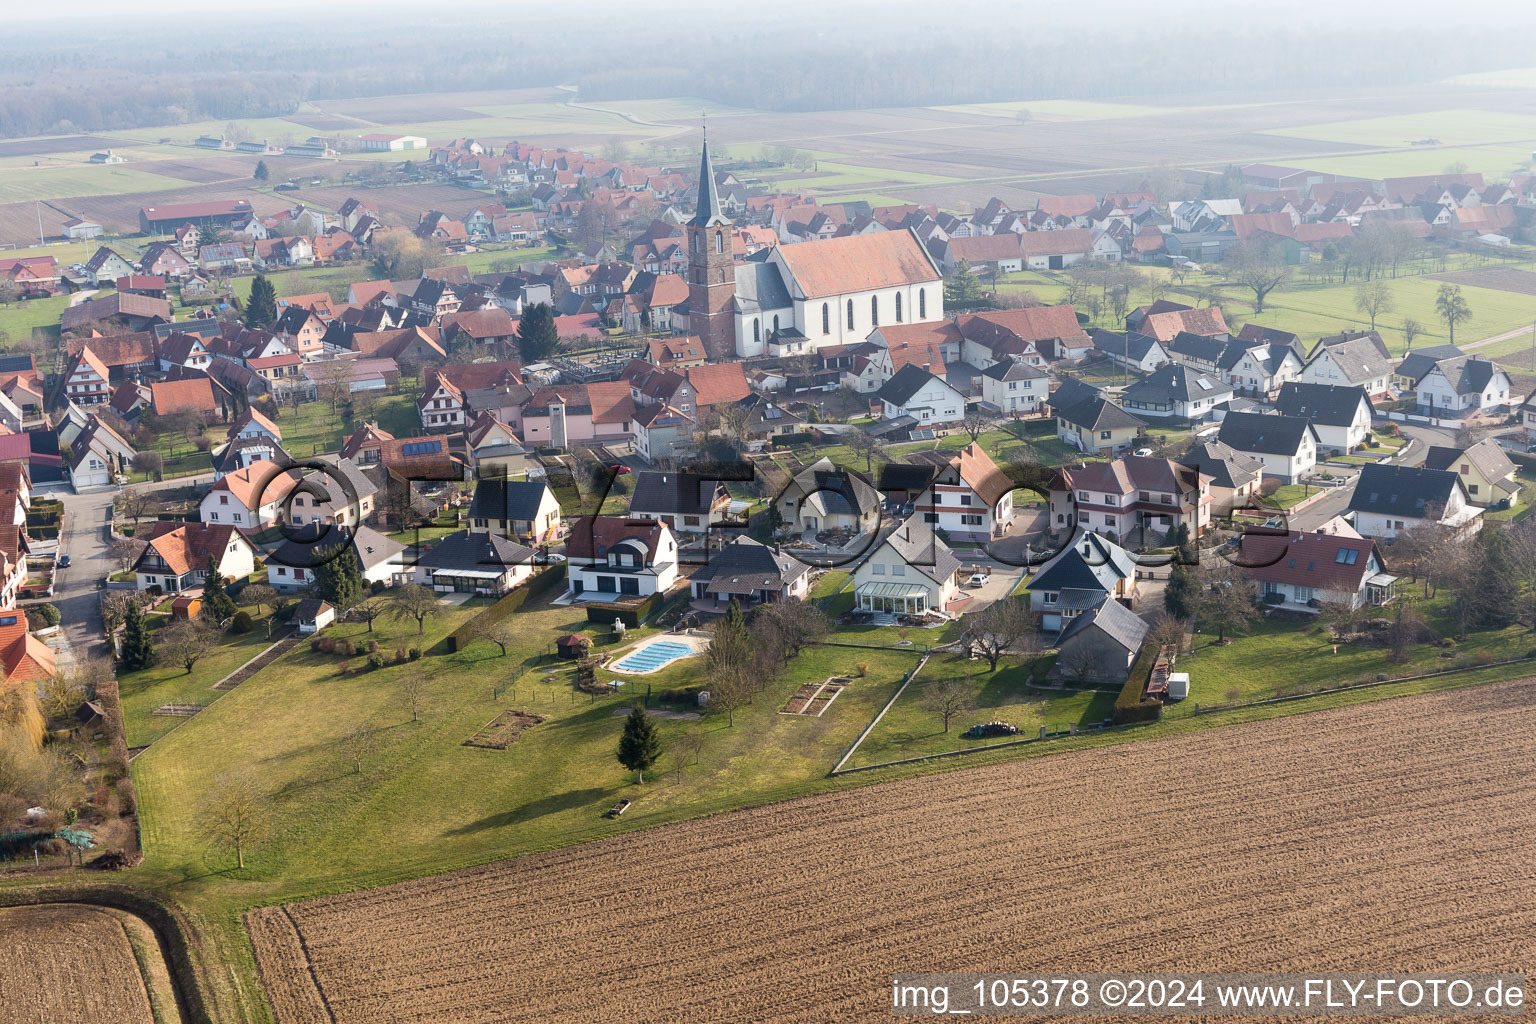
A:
(162, 220)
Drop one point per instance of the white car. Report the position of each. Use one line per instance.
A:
(979, 579)
(548, 558)
(1142, 453)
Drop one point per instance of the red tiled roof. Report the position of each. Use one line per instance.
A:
(717, 383)
(1308, 559)
(857, 263)
(1207, 323)
(1065, 242)
(593, 536)
(169, 395)
(611, 402)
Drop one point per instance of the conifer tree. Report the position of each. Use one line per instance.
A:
(216, 601)
(261, 307)
(1182, 593)
(639, 747)
(337, 577)
(537, 336)
(261, 173)
(137, 651)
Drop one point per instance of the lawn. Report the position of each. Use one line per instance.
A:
(912, 729)
(1273, 655)
(19, 319)
(26, 184)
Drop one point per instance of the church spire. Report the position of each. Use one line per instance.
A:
(708, 213)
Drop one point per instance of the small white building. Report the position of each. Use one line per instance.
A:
(1015, 387)
(1463, 384)
(313, 615)
(917, 393)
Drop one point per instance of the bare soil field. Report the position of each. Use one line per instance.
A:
(323, 122)
(1390, 836)
(66, 962)
(120, 214)
(57, 144)
(1503, 279)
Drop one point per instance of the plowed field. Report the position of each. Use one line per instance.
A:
(1391, 836)
(73, 963)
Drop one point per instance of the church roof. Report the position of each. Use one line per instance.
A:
(708, 213)
(858, 263)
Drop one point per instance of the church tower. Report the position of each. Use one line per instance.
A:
(711, 270)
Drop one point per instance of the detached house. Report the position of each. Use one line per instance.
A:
(1080, 578)
(915, 392)
(1463, 384)
(1015, 387)
(1485, 471)
(1286, 445)
(1100, 645)
(1177, 391)
(97, 455)
(474, 563)
(911, 572)
(750, 573)
(176, 555)
(1359, 359)
(1340, 414)
(610, 557)
(1234, 477)
(1097, 426)
(291, 564)
(1144, 497)
(823, 498)
(522, 510)
(1391, 499)
(251, 498)
(86, 379)
(970, 497)
(687, 502)
(1302, 572)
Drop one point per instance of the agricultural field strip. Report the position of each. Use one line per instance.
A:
(69, 962)
(839, 891)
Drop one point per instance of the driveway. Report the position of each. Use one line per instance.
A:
(1000, 585)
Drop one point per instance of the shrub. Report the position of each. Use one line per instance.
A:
(373, 645)
(375, 660)
(860, 669)
(1269, 487)
(241, 623)
(315, 643)
(359, 648)
(377, 586)
(328, 645)
(154, 590)
(415, 653)
(42, 615)
(399, 655)
(343, 667)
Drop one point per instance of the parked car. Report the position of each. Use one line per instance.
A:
(64, 561)
(979, 579)
(1142, 453)
(619, 469)
(548, 558)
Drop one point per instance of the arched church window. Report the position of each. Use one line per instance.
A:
(874, 311)
(898, 307)
(922, 304)
(826, 318)
(850, 314)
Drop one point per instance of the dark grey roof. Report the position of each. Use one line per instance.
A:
(307, 609)
(1012, 369)
(1361, 357)
(922, 549)
(759, 287)
(1098, 414)
(1469, 375)
(908, 381)
(1225, 465)
(1271, 435)
(1333, 405)
(1091, 564)
(1129, 345)
(1118, 622)
(226, 457)
(1487, 456)
(475, 551)
(1072, 392)
(708, 213)
(1420, 361)
(674, 493)
(1402, 490)
(507, 499)
(1175, 382)
(1206, 348)
(744, 565)
(1269, 355)
(904, 476)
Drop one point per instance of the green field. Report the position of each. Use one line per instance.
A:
(1061, 110)
(1495, 161)
(1451, 127)
(27, 184)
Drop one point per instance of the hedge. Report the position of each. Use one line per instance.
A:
(1129, 707)
(538, 583)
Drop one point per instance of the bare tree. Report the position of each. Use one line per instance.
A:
(1411, 330)
(863, 445)
(114, 608)
(501, 633)
(1169, 631)
(1259, 268)
(1373, 298)
(998, 627)
(414, 601)
(1226, 599)
(413, 694)
(124, 551)
(786, 627)
(186, 642)
(680, 756)
(368, 611)
(333, 381)
(60, 694)
(259, 594)
(1082, 659)
(976, 422)
(950, 697)
(138, 504)
(728, 694)
(695, 738)
(235, 814)
(359, 744)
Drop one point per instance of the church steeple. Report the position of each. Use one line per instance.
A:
(708, 213)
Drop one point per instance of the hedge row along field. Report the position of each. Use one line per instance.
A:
(1392, 836)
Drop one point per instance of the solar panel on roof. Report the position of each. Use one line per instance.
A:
(421, 447)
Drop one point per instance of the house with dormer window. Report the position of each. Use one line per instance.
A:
(609, 557)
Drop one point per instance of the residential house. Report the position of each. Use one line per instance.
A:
(177, 554)
(442, 406)
(911, 572)
(1417, 362)
(105, 267)
(291, 563)
(168, 396)
(688, 503)
(86, 379)
(240, 452)
(1358, 358)
(98, 455)
(1200, 352)
(675, 353)
(494, 448)
(1303, 572)
(1055, 250)
(1014, 387)
(1100, 645)
(27, 660)
(1175, 390)
(1340, 414)
(610, 557)
(1130, 350)
(915, 392)
(1234, 476)
(749, 573)
(251, 498)
(1486, 472)
(1081, 577)
(969, 497)
(1286, 445)
(1391, 499)
(252, 423)
(1130, 500)
(822, 498)
(1462, 385)
(186, 350)
(338, 492)
(474, 563)
(1097, 426)
(1259, 370)
(523, 510)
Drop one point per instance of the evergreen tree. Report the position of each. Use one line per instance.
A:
(261, 173)
(137, 651)
(1182, 594)
(261, 307)
(961, 285)
(640, 746)
(537, 337)
(338, 578)
(216, 600)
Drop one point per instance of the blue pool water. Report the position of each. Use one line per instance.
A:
(657, 655)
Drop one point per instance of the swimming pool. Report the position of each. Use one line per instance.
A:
(653, 657)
